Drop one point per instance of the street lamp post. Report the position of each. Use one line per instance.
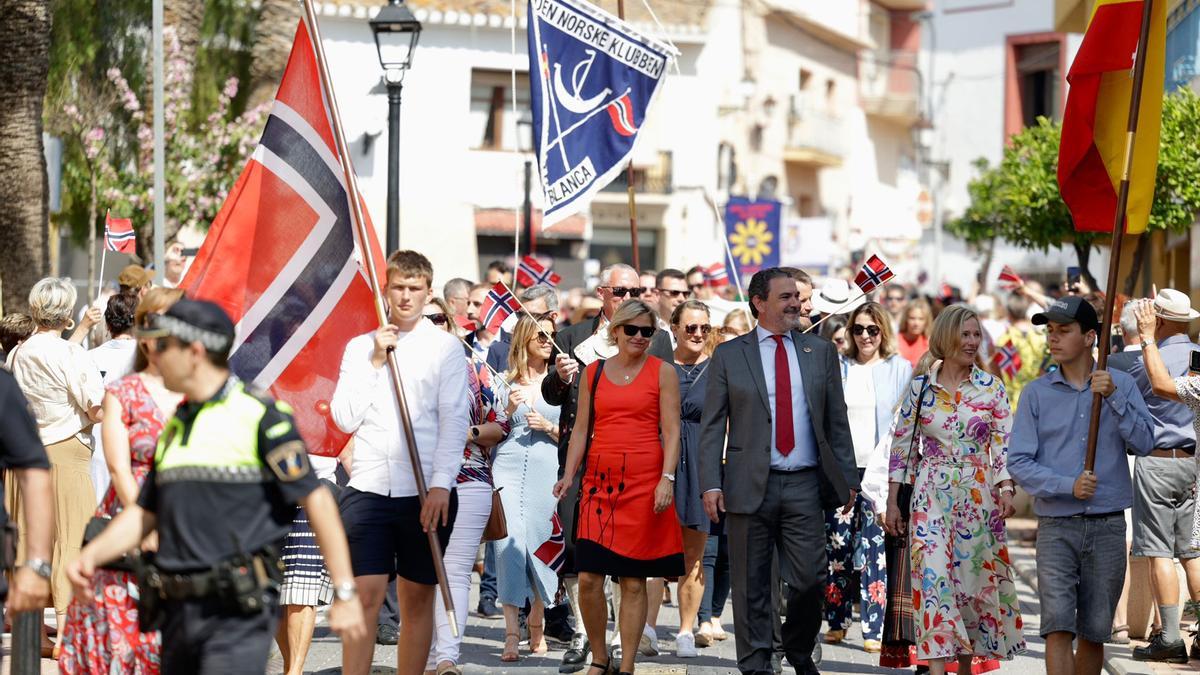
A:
(396, 32)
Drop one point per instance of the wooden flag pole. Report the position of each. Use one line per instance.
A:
(1119, 224)
(360, 225)
(633, 233)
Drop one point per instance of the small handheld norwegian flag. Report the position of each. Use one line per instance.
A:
(1009, 279)
(531, 273)
(874, 273)
(1008, 359)
(497, 306)
(119, 235)
(716, 275)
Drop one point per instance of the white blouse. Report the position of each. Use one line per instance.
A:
(61, 383)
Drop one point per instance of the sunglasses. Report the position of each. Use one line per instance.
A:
(437, 319)
(631, 330)
(622, 291)
(543, 339)
(693, 328)
(873, 331)
(673, 293)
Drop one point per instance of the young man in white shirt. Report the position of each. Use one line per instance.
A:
(385, 523)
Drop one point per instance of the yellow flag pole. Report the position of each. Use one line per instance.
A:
(1119, 224)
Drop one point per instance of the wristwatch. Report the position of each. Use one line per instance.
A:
(346, 591)
(40, 567)
(474, 433)
(669, 476)
(1008, 489)
(1146, 344)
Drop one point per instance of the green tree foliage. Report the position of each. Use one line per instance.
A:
(1018, 200)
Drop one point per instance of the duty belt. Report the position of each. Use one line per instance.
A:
(187, 586)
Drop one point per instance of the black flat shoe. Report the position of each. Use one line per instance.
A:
(605, 668)
(575, 656)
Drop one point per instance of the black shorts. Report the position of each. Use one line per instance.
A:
(385, 535)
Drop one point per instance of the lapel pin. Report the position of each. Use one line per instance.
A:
(807, 350)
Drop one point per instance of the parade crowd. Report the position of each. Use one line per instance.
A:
(820, 459)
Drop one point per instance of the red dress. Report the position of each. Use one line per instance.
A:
(103, 638)
(618, 532)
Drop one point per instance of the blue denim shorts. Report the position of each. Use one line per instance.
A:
(1081, 568)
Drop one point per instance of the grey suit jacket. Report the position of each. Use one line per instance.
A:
(737, 396)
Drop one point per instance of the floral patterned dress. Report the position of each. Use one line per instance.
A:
(964, 598)
(1188, 389)
(103, 637)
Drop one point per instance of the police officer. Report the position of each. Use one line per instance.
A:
(21, 450)
(228, 472)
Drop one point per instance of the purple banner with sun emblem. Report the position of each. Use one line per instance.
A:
(752, 229)
(592, 79)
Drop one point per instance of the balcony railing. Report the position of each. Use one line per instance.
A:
(815, 135)
(889, 85)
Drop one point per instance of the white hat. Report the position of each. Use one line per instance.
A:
(834, 295)
(1171, 305)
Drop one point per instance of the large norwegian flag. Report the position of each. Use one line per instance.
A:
(282, 257)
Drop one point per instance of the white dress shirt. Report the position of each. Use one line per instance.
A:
(61, 383)
(114, 360)
(434, 374)
(804, 455)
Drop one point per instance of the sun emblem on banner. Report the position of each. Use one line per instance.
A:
(751, 241)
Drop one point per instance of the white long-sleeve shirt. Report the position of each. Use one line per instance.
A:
(434, 374)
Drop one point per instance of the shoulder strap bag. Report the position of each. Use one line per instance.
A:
(904, 493)
(591, 428)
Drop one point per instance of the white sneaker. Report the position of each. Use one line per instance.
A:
(649, 644)
(685, 646)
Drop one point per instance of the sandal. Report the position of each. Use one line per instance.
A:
(605, 668)
(1120, 635)
(511, 642)
(537, 645)
(448, 668)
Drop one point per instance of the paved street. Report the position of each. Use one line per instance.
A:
(485, 639)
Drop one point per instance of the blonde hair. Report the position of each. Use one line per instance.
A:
(887, 339)
(741, 317)
(912, 306)
(156, 301)
(526, 329)
(946, 338)
(51, 302)
(626, 313)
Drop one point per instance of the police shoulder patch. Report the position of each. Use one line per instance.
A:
(289, 461)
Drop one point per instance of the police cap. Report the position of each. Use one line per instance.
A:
(194, 321)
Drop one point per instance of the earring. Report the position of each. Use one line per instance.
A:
(70, 324)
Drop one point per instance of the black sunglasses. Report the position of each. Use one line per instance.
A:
(672, 293)
(544, 339)
(691, 328)
(437, 319)
(873, 331)
(631, 330)
(622, 291)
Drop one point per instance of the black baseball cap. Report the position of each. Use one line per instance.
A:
(194, 321)
(1070, 309)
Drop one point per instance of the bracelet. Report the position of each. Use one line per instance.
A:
(1008, 489)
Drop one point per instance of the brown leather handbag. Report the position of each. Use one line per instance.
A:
(497, 525)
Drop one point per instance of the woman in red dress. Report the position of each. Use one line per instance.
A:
(626, 527)
(101, 635)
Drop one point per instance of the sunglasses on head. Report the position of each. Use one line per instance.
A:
(672, 293)
(622, 291)
(631, 330)
(873, 331)
(437, 319)
(693, 328)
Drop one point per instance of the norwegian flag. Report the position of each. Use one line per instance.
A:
(497, 306)
(119, 235)
(1009, 279)
(716, 275)
(552, 551)
(531, 273)
(282, 257)
(1008, 359)
(874, 273)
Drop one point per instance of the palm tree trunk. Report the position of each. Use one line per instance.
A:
(1139, 259)
(24, 190)
(273, 35)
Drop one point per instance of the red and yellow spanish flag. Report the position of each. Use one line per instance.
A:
(1091, 156)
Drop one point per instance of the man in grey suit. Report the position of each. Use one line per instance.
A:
(789, 456)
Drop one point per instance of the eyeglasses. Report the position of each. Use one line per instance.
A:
(438, 319)
(858, 330)
(670, 293)
(692, 328)
(543, 339)
(622, 291)
(631, 330)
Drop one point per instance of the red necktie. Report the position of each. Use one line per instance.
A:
(785, 432)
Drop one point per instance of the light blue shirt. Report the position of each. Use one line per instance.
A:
(804, 455)
(1049, 441)
(1172, 419)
